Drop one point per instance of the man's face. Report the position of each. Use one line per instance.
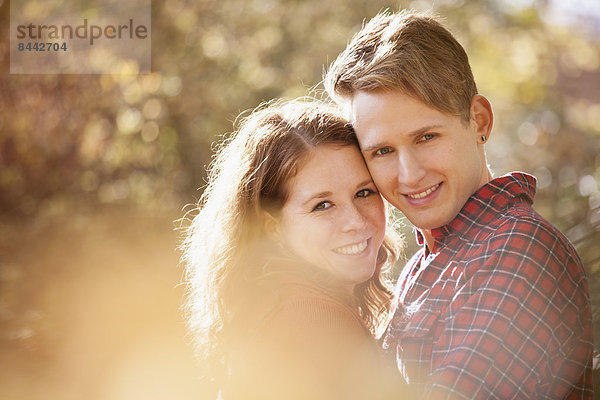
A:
(426, 163)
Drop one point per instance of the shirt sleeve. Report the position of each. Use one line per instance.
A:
(520, 326)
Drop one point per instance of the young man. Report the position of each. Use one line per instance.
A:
(495, 304)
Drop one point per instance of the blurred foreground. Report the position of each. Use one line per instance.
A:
(89, 309)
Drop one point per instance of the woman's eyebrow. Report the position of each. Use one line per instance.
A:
(321, 195)
(365, 183)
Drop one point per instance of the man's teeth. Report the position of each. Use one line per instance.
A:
(423, 194)
(353, 249)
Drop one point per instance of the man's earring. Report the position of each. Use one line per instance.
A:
(483, 138)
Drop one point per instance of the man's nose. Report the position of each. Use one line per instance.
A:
(410, 169)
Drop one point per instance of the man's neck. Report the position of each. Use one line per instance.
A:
(429, 239)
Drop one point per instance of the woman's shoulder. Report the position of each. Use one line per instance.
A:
(305, 309)
(310, 333)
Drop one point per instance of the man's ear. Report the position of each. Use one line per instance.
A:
(271, 225)
(482, 116)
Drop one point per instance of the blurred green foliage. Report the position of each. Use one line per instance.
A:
(69, 141)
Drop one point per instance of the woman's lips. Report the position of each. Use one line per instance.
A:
(352, 249)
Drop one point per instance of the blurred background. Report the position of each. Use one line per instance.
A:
(95, 169)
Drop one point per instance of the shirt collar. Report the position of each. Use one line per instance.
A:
(486, 203)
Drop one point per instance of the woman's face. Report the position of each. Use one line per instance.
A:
(334, 217)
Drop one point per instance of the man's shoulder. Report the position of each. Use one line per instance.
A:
(522, 222)
(522, 237)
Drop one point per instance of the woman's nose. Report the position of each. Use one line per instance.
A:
(352, 219)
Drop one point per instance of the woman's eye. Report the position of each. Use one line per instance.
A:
(324, 205)
(383, 151)
(365, 193)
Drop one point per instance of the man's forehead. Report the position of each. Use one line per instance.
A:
(389, 110)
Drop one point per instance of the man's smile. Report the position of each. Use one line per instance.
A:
(424, 193)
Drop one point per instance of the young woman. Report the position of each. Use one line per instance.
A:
(285, 261)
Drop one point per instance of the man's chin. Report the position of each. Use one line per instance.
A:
(427, 224)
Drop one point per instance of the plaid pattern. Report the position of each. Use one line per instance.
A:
(499, 309)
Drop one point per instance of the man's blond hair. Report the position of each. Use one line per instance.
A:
(407, 51)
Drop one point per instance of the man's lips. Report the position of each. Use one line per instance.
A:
(422, 194)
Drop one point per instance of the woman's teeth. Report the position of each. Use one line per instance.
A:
(423, 194)
(352, 249)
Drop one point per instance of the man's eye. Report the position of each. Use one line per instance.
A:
(324, 205)
(383, 151)
(427, 137)
(364, 193)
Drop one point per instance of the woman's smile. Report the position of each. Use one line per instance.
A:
(353, 249)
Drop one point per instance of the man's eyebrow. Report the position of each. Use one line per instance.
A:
(372, 147)
(417, 132)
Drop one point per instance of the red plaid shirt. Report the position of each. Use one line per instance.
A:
(499, 308)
